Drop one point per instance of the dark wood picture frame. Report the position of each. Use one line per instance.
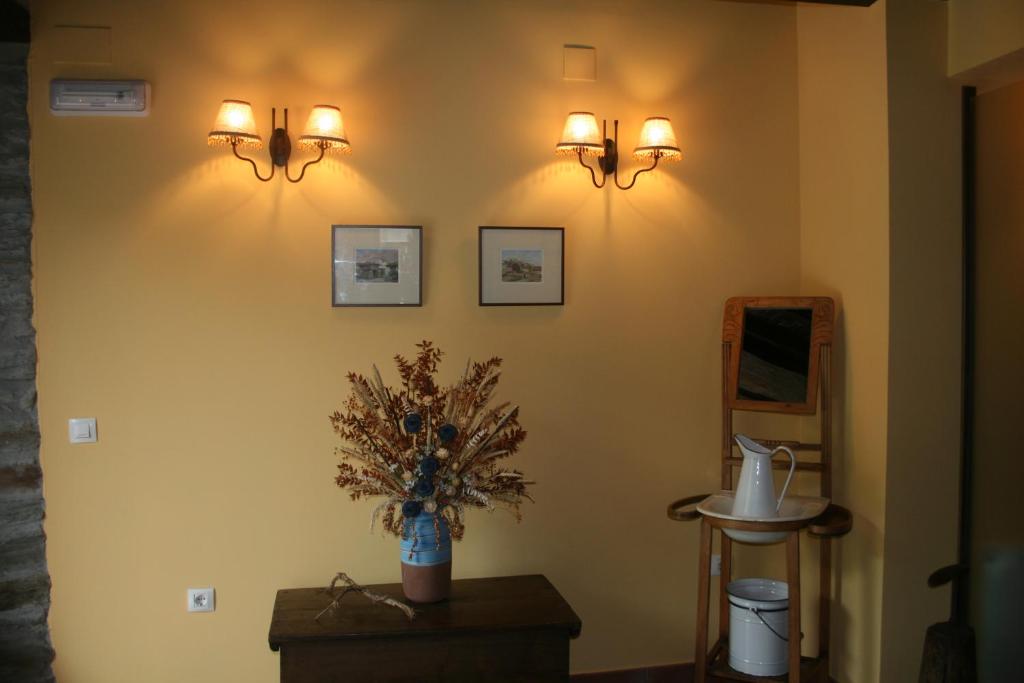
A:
(822, 329)
(480, 266)
(419, 265)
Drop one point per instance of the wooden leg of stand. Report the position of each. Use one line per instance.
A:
(723, 581)
(703, 590)
(825, 598)
(793, 579)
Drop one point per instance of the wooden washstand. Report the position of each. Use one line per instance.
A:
(835, 521)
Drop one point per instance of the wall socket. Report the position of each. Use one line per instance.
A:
(200, 600)
(716, 565)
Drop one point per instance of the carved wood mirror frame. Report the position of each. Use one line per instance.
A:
(822, 327)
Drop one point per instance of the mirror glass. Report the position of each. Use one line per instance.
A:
(775, 354)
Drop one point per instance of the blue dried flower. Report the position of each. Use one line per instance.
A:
(413, 423)
(411, 508)
(429, 465)
(424, 487)
(447, 432)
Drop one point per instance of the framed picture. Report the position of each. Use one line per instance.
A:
(376, 265)
(522, 266)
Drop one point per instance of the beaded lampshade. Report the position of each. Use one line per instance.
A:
(235, 124)
(581, 134)
(658, 139)
(325, 129)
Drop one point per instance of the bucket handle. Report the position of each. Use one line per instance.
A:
(757, 613)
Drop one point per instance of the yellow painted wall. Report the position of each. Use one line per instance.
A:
(844, 253)
(981, 31)
(922, 470)
(881, 227)
(186, 305)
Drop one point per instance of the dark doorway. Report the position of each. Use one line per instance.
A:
(993, 526)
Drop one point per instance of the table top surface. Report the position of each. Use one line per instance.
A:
(503, 603)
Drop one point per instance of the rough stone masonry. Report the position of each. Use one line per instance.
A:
(25, 649)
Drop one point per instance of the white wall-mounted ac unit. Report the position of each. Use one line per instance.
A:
(99, 98)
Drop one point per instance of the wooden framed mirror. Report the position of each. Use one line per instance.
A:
(775, 351)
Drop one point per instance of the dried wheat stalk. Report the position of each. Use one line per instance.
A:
(352, 586)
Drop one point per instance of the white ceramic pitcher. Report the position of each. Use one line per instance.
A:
(755, 495)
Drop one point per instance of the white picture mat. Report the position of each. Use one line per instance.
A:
(348, 238)
(495, 240)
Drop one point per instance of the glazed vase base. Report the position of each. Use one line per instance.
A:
(429, 583)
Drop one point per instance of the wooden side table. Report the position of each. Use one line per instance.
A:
(511, 628)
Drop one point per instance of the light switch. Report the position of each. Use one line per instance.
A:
(82, 430)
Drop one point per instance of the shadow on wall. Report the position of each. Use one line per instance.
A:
(850, 554)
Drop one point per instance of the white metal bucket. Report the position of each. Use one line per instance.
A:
(758, 626)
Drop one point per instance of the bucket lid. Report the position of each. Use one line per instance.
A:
(760, 593)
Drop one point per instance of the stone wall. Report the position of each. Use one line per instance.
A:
(25, 650)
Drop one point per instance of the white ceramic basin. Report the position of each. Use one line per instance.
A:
(794, 508)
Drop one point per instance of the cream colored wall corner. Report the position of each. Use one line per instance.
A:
(922, 472)
(844, 253)
(186, 305)
(982, 31)
(880, 226)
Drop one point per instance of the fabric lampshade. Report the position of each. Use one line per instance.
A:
(235, 124)
(325, 129)
(581, 134)
(657, 139)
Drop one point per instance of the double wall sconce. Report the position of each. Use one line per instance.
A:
(236, 126)
(581, 137)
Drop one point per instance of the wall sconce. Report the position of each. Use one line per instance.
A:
(581, 137)
(235, 125)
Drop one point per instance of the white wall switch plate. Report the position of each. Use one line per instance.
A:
(716, 565)
(82, 430)
(200, 600)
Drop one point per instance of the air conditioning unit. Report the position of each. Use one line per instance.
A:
(99, 98)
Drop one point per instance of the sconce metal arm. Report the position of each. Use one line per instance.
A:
(657, 156)
(234, 148)
(593, 176)
(306, 165)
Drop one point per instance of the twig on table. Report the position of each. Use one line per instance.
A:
(352, 586)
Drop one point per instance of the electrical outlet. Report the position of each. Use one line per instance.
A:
(200, 600)
(716, 565)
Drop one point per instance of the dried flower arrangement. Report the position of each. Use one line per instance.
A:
(427, 449)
